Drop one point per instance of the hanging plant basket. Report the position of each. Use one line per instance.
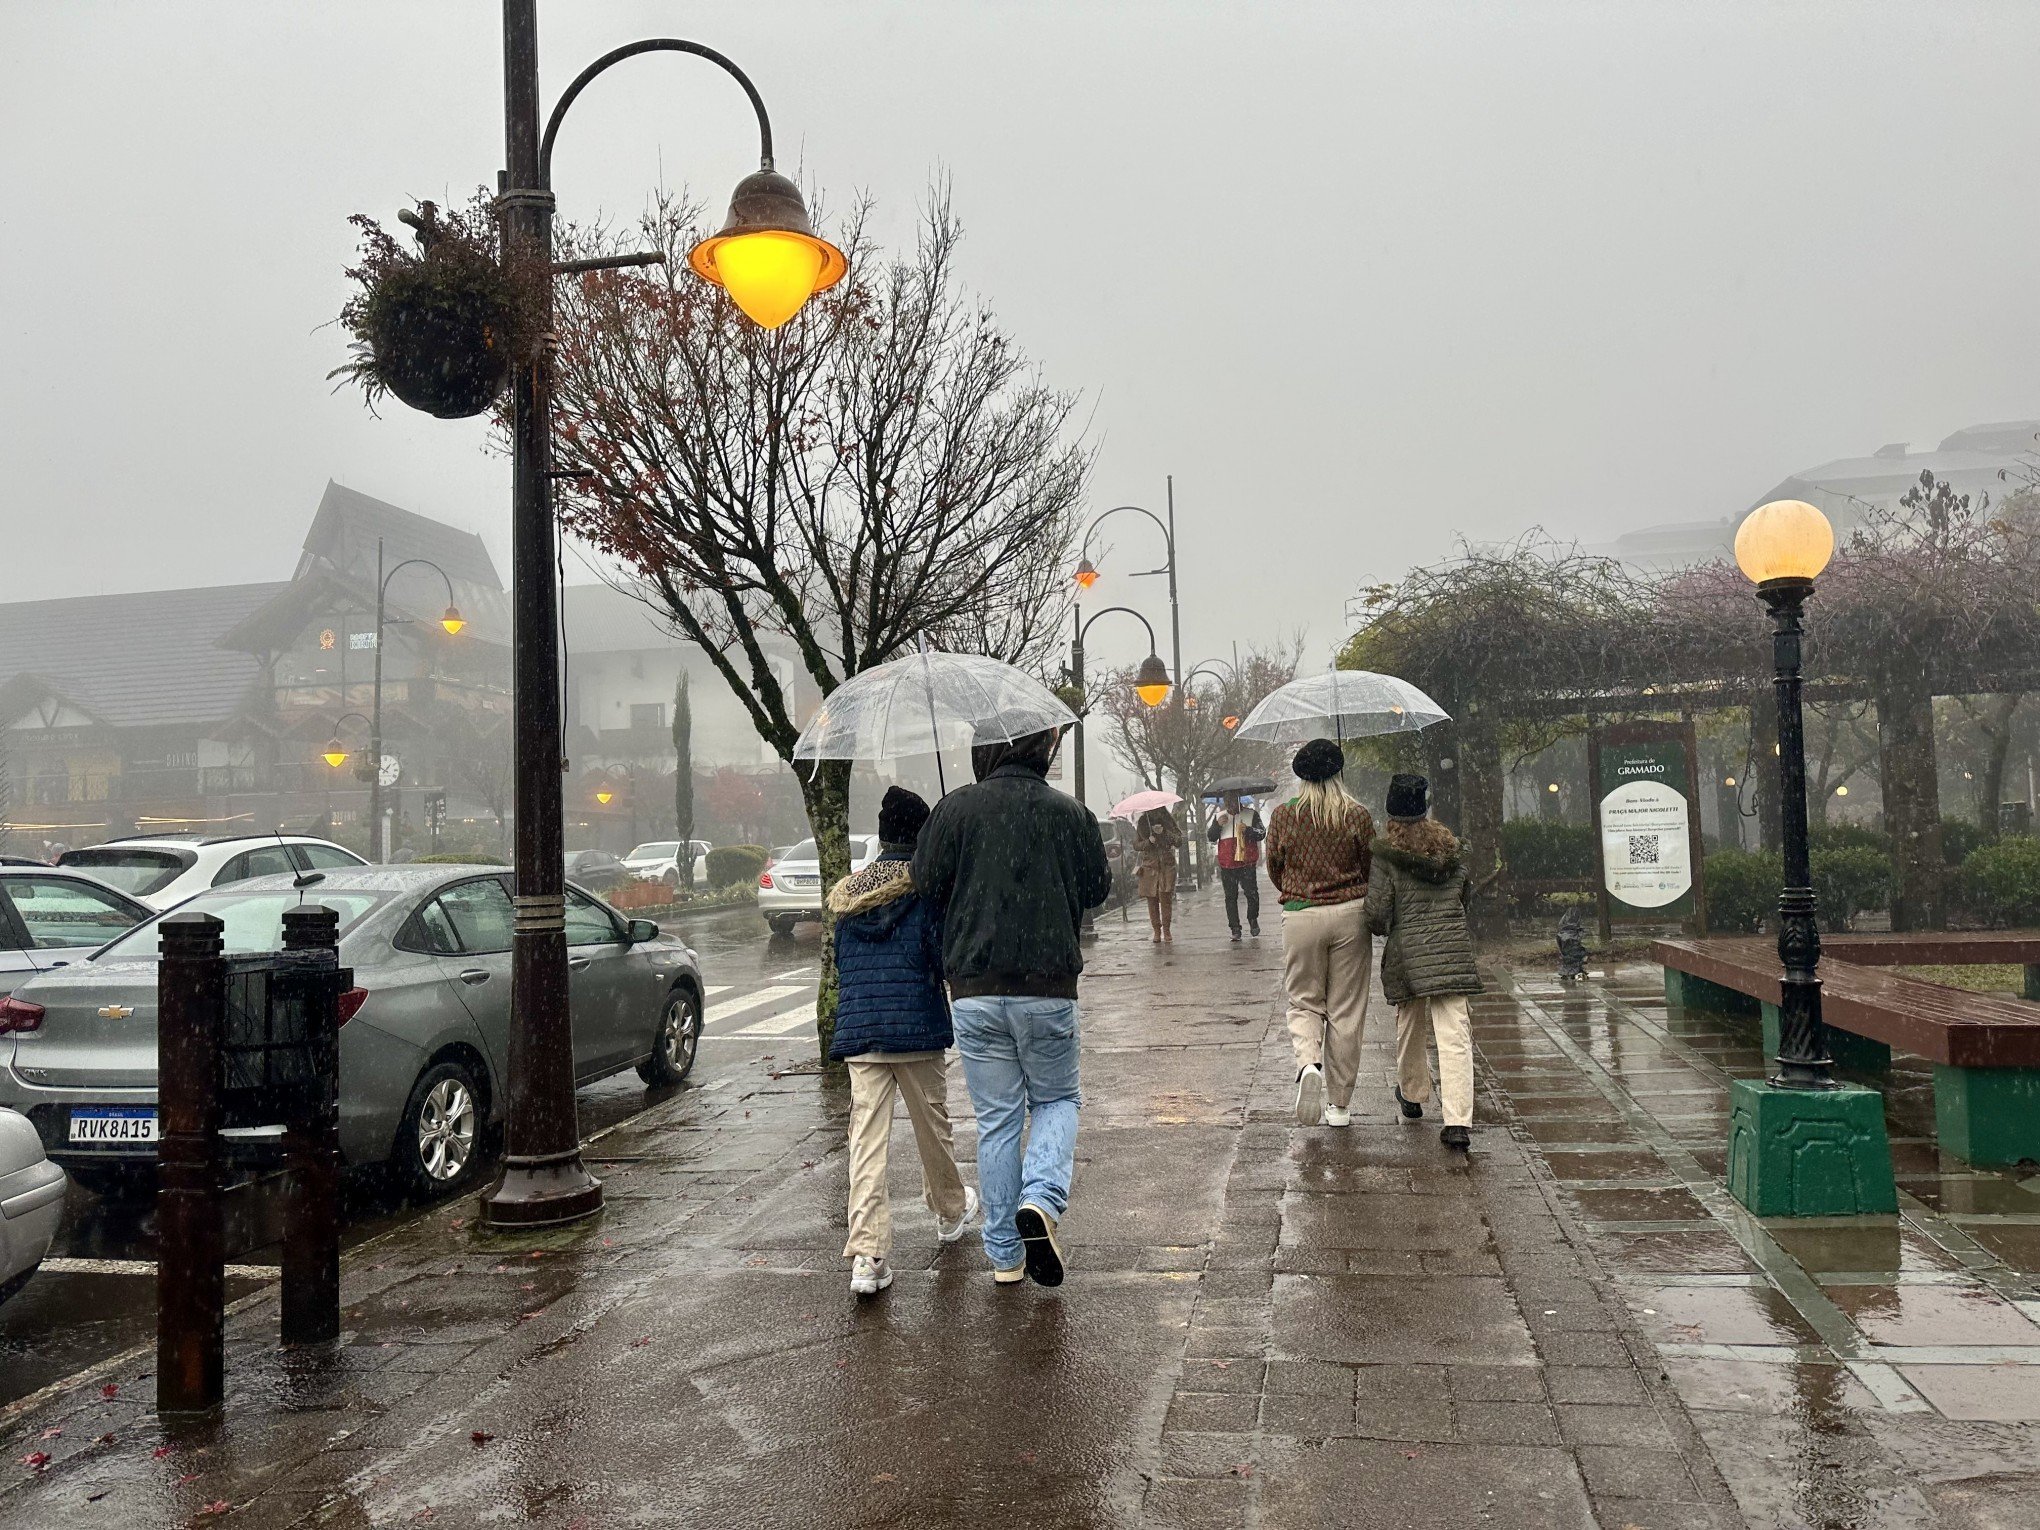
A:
(435, 329)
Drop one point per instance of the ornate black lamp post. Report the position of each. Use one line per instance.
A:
(1782, 547)
(1150, 681)
(1087, 574)
(769, 260)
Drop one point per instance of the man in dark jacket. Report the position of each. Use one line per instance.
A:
(892, 1028)
(1013, 864)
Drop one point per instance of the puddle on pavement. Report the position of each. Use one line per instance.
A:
(1719, 1315)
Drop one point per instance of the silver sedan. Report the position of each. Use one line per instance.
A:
(424, 1038)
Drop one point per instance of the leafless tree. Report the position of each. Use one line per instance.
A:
(885, 466)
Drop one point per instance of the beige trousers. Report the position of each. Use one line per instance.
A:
(1326, 954)
(923, 1081)
(1443, 1016)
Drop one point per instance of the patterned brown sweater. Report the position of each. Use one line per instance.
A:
(1315, 863)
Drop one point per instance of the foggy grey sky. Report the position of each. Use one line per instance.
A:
(1363, 276)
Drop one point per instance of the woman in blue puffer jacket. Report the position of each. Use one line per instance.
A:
(892, 1028)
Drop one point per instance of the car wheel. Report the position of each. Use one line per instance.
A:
(439, 1146)
(782, 924)
(671, 878)
(679, 1039)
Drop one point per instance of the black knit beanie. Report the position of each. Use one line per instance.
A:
(900, 818)
(1409, 797)
(1319, 760)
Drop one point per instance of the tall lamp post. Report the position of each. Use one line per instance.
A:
(1187, 690)
(452, 622)
(769, 260)
(1782, 547)
(1150, 681)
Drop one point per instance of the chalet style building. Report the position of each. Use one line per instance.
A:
(213, 709)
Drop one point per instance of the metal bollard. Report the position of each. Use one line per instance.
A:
(311, 1142)
(191, 994)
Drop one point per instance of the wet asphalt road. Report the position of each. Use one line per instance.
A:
(96, 1294)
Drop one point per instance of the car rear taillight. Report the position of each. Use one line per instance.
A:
(351, 1002)
(765, 879)
(19, 1015)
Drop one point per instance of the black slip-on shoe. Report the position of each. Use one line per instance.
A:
(1456, 1137)
(1037, 1236)
(1410, 1108)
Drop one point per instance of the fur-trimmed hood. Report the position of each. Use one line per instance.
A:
(885, 880)
(1423, 847)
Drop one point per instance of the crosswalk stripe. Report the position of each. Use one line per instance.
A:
(751, 1000)
(713, 989)
(784, 1023)
(146, 1267)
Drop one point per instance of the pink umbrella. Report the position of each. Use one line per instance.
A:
(1140, 802)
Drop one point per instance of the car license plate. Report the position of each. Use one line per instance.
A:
(803, 881)
(113, 1123)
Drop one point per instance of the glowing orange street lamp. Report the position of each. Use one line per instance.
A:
(1087, 574)
(453, 621)
(605, 796)
(1229, 723)
(1151, 681)
(768, 257)
(335, 753)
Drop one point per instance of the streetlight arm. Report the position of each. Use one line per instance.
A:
(428, 563)
(1167, 538)
(631, 50)
(1109, 610)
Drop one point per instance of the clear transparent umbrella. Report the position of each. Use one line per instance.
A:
(1340, 704)
(925, 703)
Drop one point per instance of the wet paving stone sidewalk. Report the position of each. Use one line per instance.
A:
(1264, 1325)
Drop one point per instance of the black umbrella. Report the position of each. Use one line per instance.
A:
(1246, 786)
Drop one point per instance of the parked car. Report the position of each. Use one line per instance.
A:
(424, 1038)
(790, 887)
(164, 869)
(658, 860)
(51, 916)
(31, 1200)
(595, 868)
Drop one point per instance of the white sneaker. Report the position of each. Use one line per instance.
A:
(1338, 1115)
(949, 1232)
(869, 1276)
(1310, 1096)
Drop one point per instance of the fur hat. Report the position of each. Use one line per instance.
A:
(1409, 797)
(1319, 760)
(900, 817)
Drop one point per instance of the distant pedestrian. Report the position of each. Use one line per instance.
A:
(1319, 851)
(1237, 830)
(1156, 841)
(1418, 901)
(893, 1029)
(1013, 863)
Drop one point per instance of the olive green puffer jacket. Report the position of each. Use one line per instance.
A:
(1417, 898)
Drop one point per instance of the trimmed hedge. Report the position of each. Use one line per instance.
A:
(733, 865)
(1540, 850)
(1743, 885)
(2002, 880)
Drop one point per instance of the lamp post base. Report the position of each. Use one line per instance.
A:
(1809, 1152)
(541, 1192)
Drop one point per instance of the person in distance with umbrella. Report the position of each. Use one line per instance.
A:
(1237, 830)
(1319, 852)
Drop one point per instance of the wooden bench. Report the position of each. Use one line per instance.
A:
(1985, 1049)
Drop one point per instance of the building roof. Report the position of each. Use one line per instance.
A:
(132, 661)
(347, 523)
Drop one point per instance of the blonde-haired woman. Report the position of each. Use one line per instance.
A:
(1320, 848)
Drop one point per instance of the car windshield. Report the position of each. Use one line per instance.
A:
(657, 851)
(135, 872)
(860, 844)
(254, 920)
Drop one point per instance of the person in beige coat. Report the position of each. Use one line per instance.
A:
(1418, 900)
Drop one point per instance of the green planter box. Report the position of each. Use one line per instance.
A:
(1809, 1153)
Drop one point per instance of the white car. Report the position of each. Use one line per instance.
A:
(31, 1200)
(658, 860)
(790, 886)
(164, 869)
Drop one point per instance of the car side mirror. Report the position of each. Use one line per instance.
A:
(641, 930)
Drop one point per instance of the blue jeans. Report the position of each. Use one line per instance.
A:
(1020, 1059)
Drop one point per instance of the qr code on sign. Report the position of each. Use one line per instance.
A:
(1643, 849)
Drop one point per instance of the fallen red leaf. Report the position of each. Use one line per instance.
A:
(110, 1390)
(186, 1478)
(641, 1343)
(217, 1506)
(1244, 1469)
(161, 1451)
(423, 1514)
(481, 1436)
(104, 1439)
(458, 1222)
(36, 1460)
